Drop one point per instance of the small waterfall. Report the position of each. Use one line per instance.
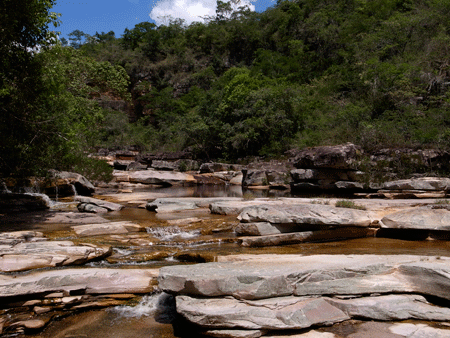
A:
(48, 202)
(4, 189)
(172, 232)
(74, 190)
(160, 305)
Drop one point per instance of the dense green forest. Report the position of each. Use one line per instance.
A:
(302, 73)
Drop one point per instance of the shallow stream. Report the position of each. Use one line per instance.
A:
(168, 240)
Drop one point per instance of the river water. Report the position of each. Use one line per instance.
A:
(167, 243)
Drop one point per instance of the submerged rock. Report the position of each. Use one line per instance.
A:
(111, 228)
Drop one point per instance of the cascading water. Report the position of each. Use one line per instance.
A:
(160, 305)
(171, 232)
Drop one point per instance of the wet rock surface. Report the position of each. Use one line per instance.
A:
(299, 293)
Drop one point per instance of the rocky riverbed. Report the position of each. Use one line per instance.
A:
(226, 267)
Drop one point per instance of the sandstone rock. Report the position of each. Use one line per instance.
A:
(274, 314)
(212, 167)
(233, 207)
(26, 256)
(410, 330)
(86, 207)
(312, 214)
(418, 218)
(344, 185)
(260, 229)
(332, 234)
(234, 333)
(334, 157)
(423, 183)
(134, 166)
(254, 178)
(275, 276)
(111, 228)
(81, 184)
(185, 203)
(32, 324)
(237, 180)
(12, 238)
(210, 179)
(391, 308)
(109, 206)
(166, 178)
(164, 165)
(88, 281)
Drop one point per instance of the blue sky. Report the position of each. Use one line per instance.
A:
(92, 16)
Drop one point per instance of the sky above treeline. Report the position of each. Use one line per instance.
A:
(91, 16)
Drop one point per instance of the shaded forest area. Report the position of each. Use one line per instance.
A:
(302, 73)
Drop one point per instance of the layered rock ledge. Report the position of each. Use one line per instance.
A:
(257, 294)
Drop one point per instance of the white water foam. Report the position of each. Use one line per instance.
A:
(159, 304)
(171, 232)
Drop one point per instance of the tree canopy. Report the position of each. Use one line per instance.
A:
(301, 73)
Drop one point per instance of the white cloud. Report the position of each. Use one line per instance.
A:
(188, 10)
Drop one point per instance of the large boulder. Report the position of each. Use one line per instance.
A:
(332, 157)
(254, 178)
(81, 184)
(307, 214)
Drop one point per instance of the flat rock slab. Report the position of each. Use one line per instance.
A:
(112, 228)
(285, 313)
(423, 183)
(99, 203)
(275, 313)
(332, 234)
(309, 214)
(410, 330)
(185, 203)
(160, 177)
(81, 281)
(265, 276)
(33, 255)
(418, 218)
(14, 237)
(391, 308)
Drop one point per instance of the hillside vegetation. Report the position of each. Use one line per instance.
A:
(302, 73)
